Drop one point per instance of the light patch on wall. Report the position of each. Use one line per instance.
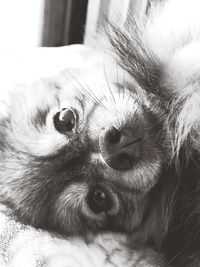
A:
(21, 23)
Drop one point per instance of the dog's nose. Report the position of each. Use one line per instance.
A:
(119, 148)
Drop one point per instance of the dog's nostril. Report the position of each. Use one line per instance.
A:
(123, 162)
(98, 200)
(113, 135)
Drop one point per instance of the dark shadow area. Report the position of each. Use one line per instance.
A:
(64, 22)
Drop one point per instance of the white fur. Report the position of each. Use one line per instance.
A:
(172, 36)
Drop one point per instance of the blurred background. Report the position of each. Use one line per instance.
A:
(32, 23)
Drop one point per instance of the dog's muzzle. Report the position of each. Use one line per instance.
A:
(119, 148)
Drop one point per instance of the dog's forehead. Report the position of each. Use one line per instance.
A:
(32, 108)
(92, 81)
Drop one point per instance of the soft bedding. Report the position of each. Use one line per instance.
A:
(22, 245)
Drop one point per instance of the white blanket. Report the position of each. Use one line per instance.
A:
(22, 245)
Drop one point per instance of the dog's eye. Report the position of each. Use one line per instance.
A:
(99, 201)
(65, 120)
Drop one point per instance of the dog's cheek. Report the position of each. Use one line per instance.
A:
(71, 213)
(69, 208)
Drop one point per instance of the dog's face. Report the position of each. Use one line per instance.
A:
(81, 153)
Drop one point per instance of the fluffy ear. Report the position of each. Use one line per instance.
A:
(185, 119)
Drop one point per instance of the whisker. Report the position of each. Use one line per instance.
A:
(110, 90)
(181, 251)
(118, 83)
(86, 125)
(87, 91)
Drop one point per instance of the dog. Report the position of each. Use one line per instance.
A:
(114, 148)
